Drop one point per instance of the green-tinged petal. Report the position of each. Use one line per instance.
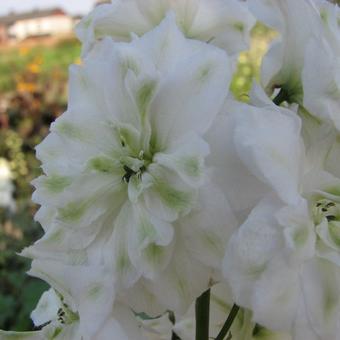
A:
(203, 77)
(87, 199)
(321, 290)
(116, 254)
(168, 198)
(150, 242)
(186, 157)
(48, 188)
(85, 289)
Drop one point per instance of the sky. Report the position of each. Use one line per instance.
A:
(71, 6)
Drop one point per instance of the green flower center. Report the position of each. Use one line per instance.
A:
(134, 166)
(66, 316)
(325, 208)
(133, 157)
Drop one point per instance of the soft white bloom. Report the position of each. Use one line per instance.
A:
(283, 262)
(297, 21)
(321, 73)
(304, 61)
(225, 23)
(125, 175)
(80, 306)
(6, 186)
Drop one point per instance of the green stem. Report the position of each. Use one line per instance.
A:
(175, 336)
(227, 325)
(202, 310)
(280, 98)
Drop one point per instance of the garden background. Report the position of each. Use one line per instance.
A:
(33, 92)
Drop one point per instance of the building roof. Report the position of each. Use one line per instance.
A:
(13, 17)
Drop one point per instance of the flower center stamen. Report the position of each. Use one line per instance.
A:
(134, 166)
(328, 209)
(66, 316)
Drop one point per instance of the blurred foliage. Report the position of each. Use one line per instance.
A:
(30, 69)
(19, 293)
(33, 92)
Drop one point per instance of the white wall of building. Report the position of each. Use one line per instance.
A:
(51, 25)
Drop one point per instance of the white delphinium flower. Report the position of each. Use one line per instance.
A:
(6, 186)
(283, 64)
(80, 306)
(283, 262)
(125, 176)
(225, 23)
(321, 73)
(304, 61)
(56, 318)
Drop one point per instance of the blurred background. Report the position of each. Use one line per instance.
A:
(36, 47)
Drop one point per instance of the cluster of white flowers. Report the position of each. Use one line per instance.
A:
(158, 185)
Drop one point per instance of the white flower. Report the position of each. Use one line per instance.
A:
(125, 176)
(283, 262)
(304, 62)
(225, 23)
(80, 306)
(321, 73)
(297, 22)
(6, 186)
(87, 297)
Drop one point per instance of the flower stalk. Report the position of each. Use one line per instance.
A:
(227, 325)
(202, 310)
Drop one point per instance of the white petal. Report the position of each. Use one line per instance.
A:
(227, 23)
(299, 231)
(150, 242)
(250, 250)
(285, 16)
(190, 96)
(278, 286)
(86, 289)
(241, 187)
(184, 280)
(168, 197)
(47, 308)
(61, 244)
(186, 157)
(268, 141)
(117, 19)
(86, 199)
(207, 229)
(321, 290)
(116, 250)
(321, 80)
